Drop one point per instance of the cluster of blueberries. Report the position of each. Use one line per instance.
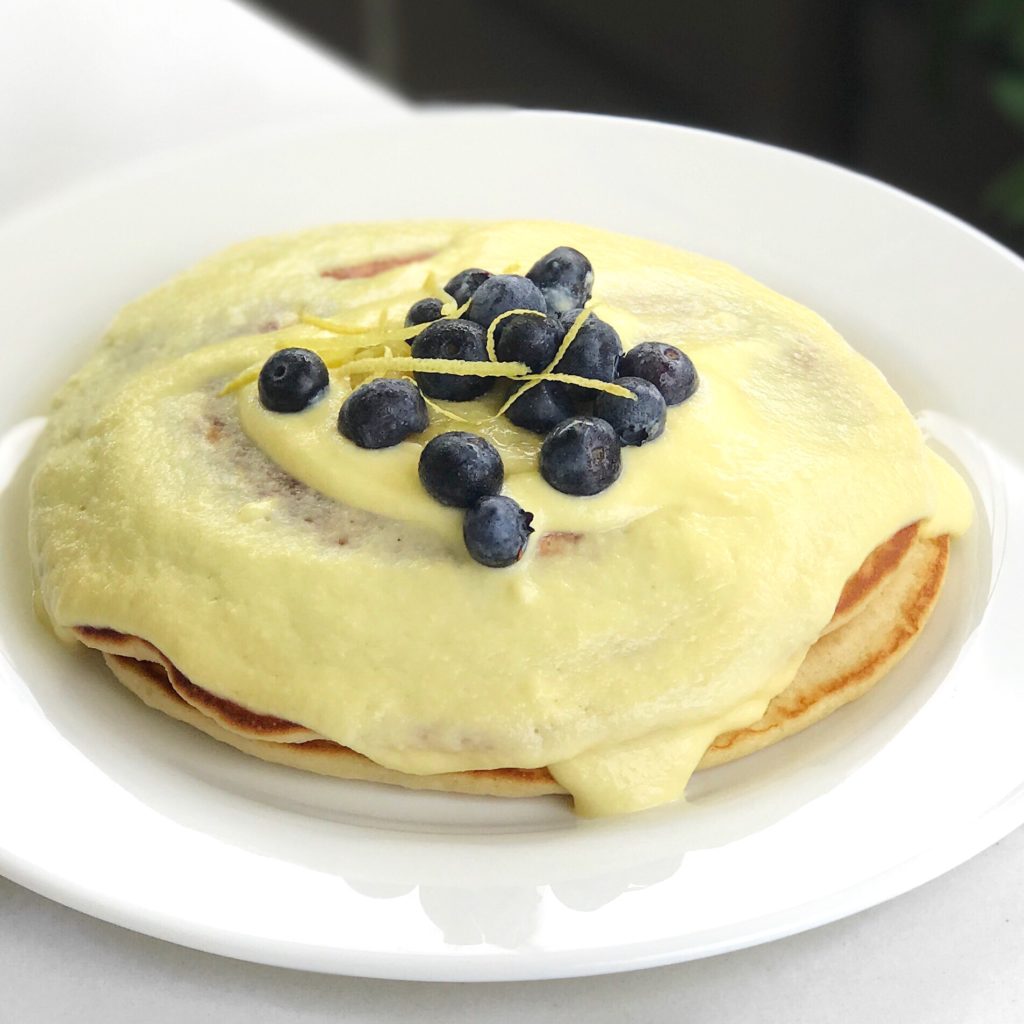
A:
(584, 434)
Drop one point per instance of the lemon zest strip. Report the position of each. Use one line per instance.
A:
(582, 382)
(333, 353)
(448, 310)
(452, 312)
(455, 367)
(332, 325)
(247, 376)
(443, 411)
(497, 320)
(382, 335)
(337, 356)
(570, 337)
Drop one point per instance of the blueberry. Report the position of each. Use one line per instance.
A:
(541, 407)
(594, 352)
(423, 312)
(382, 412)
(452, 339)
(458, 469)
(496, 531)
(668, 369)
(462, 286)
(565, 276)
(635, 422)
(581, 456)
(533, 340)
(292, 380)
(499, 294)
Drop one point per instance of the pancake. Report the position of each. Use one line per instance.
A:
(880, 615)
(257, 574)
(848, 660)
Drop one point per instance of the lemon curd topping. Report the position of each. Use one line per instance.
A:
(348, 603)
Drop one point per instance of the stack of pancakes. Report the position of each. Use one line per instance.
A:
(320, 622)
(882, 609)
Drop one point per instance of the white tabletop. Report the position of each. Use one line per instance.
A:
(88, 86)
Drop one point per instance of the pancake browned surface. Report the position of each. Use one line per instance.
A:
(880, 614)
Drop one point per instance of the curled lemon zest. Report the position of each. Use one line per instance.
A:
(443, 411)
(570, 337)
(449, 310)
(337, 351)
(497, 320)
(338, 355)
(332, 352)
(353, 339)
(452, 312)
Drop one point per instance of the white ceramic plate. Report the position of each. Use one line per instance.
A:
(117, 811)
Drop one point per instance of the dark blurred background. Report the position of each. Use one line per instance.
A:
(926, 94)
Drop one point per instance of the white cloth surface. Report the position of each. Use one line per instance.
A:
(950, 952)
(88, 84)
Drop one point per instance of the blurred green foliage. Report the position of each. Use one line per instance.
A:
(998, 25)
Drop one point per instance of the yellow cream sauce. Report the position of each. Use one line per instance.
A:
(697, 584)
